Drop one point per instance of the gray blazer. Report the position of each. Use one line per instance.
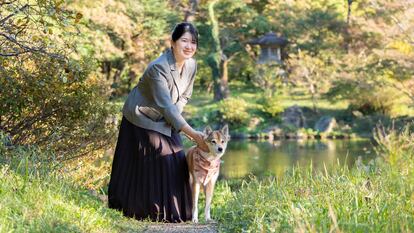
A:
(157, 101)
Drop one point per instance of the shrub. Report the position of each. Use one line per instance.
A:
(234, 111)
(272, 106)
(366, 96)
(50, 107)
(382, 101)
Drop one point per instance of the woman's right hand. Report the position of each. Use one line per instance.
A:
(199, 138)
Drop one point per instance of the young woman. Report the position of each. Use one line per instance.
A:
(149, 177)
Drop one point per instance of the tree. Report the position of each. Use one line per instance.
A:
(380, 52)
(47, 97)
(229, 24)
(124, 36)
(311, 72)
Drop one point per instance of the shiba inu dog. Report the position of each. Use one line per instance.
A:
(204, 167)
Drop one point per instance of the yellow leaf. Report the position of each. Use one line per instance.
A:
(78, 17)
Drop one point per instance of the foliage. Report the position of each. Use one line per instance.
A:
(366, 85)
(35, 27)
(227, 29)
(312, 26)
(269, 78)
(50, 97)
(311, 72)
(234, 111)
(52, 108)
(272, 105)
(124, 36)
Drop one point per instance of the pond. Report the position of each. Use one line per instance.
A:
(247, 157)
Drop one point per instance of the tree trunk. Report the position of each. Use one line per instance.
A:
(190, 12)
(347, 36)
(312, 89)
(217, 61)
(224, 87)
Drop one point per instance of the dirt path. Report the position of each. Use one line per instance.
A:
(181, 227)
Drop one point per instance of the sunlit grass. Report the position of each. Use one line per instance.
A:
(374, 197)
(34, 199)
(347, 201)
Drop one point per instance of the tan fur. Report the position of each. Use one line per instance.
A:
(215, 140)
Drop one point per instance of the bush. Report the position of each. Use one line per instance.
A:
(366, 97)
(234, 111)
(44, 104)
(51, 96)
(272, 106)
(382, 101)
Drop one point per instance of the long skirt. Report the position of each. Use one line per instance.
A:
(149, 178)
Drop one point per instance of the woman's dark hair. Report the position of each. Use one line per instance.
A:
(182, 28)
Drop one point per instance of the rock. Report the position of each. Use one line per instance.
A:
(294, 116)
(325, 124)
(274, 132)
(357, 114)
(269, 136)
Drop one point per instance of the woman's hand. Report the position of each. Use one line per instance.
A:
(197, 136)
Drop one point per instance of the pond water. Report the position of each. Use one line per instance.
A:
(247, 157)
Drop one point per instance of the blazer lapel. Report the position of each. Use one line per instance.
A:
(174, 73)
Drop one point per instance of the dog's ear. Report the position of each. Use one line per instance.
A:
(225, 130)
(207, 130)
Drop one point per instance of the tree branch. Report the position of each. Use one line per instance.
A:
(2, 21)
(7, 3)
(27, 49)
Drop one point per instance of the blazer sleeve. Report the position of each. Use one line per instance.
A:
(162, 99)
(186, 95)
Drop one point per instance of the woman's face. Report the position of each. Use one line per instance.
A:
(185, 47)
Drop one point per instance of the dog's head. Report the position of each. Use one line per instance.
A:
(216, 140)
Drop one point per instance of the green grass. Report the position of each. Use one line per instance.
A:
(347, 201)
(42, 199)
(377, 199)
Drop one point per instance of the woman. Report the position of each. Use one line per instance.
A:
(149, 172)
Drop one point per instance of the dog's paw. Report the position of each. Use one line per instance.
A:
(195, 220)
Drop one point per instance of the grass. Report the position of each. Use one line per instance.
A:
(376, 199)
(348, 201)
(35, 196)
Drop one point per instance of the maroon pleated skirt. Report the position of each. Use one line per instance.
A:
(149, 178)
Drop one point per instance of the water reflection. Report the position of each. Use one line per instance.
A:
(245, 157)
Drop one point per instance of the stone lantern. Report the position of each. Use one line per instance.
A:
(271, 46)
